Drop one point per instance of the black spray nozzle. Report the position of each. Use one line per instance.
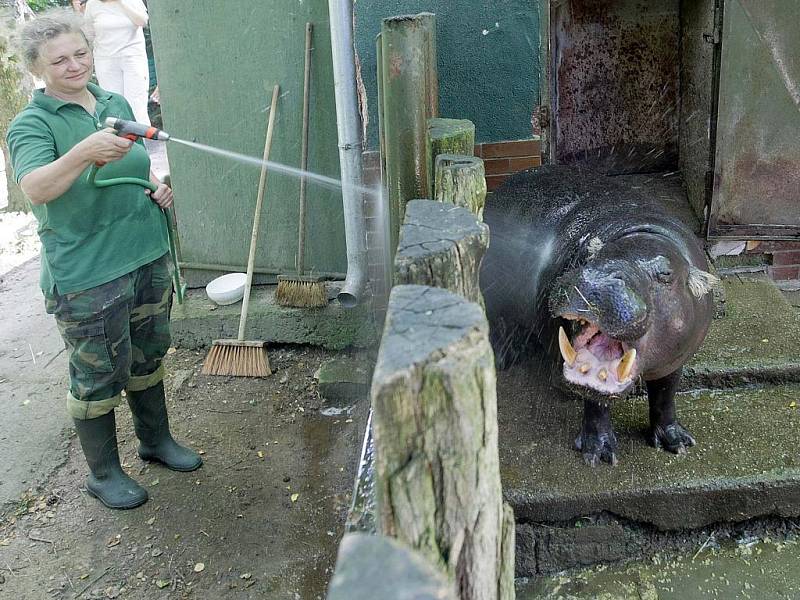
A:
(133, 130)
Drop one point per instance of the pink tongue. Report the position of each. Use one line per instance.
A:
(604, 347)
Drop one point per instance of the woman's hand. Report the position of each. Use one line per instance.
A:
(104, 147)
(162, 196)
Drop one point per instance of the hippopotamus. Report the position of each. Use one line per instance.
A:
(613, 287)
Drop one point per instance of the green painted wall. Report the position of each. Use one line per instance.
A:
(217, 63)
(488, 60)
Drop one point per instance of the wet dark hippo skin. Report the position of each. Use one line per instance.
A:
(627, 282)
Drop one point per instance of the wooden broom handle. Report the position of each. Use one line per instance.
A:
(262, 186)
(301, 233)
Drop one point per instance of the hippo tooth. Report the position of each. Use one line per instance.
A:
(585, 368)
(626, 365)
(567, 351)
(602, 375)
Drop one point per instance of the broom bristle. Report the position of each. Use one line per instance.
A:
(301, 292)
(237, 359)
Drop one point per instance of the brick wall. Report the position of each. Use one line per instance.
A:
(784, 255)
(501, 159)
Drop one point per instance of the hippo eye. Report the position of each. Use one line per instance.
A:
(664, 275)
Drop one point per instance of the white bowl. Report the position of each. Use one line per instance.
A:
(227, 289)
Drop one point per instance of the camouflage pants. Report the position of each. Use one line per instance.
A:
(116, 335)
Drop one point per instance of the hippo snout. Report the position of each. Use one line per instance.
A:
(614, 300)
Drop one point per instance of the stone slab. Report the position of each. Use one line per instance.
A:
(198, 321)
(746, 463)
(758, 340)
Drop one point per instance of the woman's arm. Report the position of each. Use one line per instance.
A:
(135, 11)
(163, 195)
(48, 182)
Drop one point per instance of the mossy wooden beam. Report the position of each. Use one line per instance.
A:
(449, 136)
(461, 180)
(441, 246)
(407, 70)
(435, 426)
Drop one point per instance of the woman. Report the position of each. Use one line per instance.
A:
(120, 55)
(105, 274)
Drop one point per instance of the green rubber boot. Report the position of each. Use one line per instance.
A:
(152, 428)
(107, 481)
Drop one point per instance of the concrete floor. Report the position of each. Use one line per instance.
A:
(745, 568)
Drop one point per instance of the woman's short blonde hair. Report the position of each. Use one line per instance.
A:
(44, 27)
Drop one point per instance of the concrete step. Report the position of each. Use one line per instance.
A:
(198, 321)
(758, 340)
(746, 463)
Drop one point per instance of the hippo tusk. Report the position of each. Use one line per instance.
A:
(602, 375)
(567, 351)
(626, 365)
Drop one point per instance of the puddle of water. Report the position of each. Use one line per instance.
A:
(751, 568)
(333, 411)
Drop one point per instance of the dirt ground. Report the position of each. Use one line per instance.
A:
(261, 519)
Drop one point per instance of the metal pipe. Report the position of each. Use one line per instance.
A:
(348, 123)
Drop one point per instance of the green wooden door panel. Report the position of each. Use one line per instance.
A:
(217, 63)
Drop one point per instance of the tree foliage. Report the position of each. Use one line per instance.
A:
(40, 5)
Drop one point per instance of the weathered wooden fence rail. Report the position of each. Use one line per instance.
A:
(434, 422)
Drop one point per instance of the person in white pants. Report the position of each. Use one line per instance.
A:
(120, 58)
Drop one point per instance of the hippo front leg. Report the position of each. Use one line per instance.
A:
(597, 441)
(665, 431)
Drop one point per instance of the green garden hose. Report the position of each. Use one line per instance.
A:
(180, 287)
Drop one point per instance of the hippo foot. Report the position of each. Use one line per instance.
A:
(597, 447)
(672, 438)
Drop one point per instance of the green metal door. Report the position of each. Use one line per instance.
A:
(756, 191)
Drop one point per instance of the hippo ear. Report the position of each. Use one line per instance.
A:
(701, 282)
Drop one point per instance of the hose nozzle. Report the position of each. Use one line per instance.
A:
(133, 130)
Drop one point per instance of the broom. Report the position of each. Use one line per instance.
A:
(239, 357)
(303, 291)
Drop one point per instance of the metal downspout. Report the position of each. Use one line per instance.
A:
(348, 123)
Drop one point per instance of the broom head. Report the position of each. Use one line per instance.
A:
(301, 291)
(237, 358)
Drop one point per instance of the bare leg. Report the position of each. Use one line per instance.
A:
(665, 431)
(597, 441)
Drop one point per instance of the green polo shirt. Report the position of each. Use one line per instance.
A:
(89, 235)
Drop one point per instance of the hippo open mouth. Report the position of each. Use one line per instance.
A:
(595, 360)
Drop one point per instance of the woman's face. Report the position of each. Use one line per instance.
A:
(65, 63)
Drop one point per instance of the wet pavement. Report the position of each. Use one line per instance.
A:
(743, 568)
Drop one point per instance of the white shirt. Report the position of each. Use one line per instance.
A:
(114, 32)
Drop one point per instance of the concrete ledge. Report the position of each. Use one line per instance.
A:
(198, 322)
(756, 341)
(746, 463)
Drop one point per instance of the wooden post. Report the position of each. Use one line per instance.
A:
(406, 74)
(435, 427)
(461, 180)
(448, 136)
(374, 566)
(441, 246)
